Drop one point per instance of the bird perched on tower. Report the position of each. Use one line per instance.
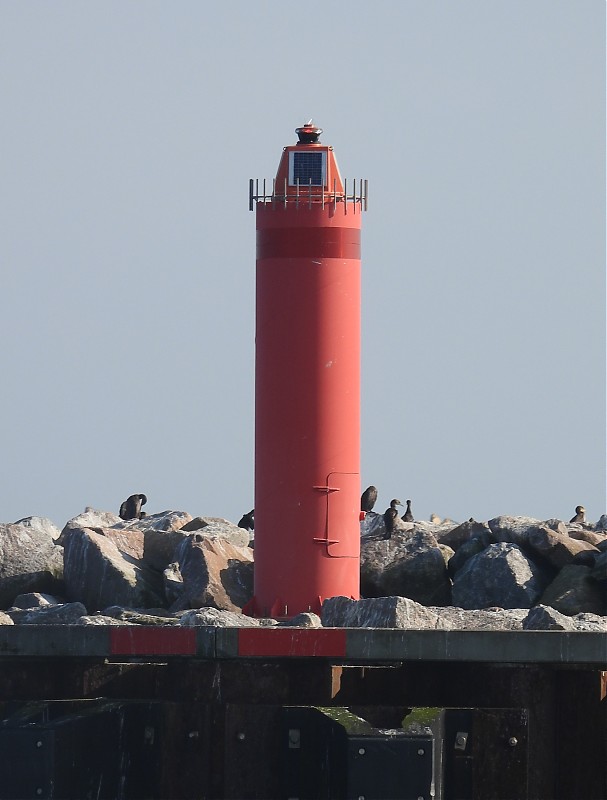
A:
(368, 498)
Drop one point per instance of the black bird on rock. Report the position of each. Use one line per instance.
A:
(247, 521)
(408, 515)
(580, 514)
(368, 498)
(131, 508)
(390, 515)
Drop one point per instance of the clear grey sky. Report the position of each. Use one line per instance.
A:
(127, 251)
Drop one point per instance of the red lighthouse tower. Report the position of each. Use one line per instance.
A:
(307, 381)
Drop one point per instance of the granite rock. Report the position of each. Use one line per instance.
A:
(215, 573)
(30, 561)
(545, 618)
(501, 575)
(574, 591)
(98, 574)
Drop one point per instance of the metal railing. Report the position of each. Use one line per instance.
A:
(308, 195)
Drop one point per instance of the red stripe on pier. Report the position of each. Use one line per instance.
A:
(132, 641)
(291, 642)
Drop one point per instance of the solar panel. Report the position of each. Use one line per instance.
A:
(307, 168)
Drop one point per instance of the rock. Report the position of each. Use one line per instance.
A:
(30, 561)
(5, 619)
(372, 525)
(41, 524)
(97, 574)
(100, 619)
(307, 619)
(63, 614)
(376, 612)
(517, 529)
(599, 569)
(90, 518)
(217, 618)
(545, 618)
(573, 591)
(128, 542)
(496, 619)
(201, 522)
(446, 552)
(557, 548)
(159, 547)
(164, 521)
(172, 580)
(134, 617)
(408, 565)
(222, 529)
(601, 525)
(34, 600)
(577, 532)
(455, 537)
(465, 552)
(501, 575)
(215, 573)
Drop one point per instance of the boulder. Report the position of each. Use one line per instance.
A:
(63, 614)
(128, 542)
(159, 547)
(217, 618)
(222, 529)
(488, 619)
(163, 521)
(5, 619)
(160, 544)
(215, 573)
(197, 523)
(517, 529)
(100, 619)
(372, 525)
(134, 617)
(172, 581)
(376, 612)
(599, 568)
(307, 619)
(501, 575)
(573, 591)
(465, 552)
(557, 548)
(601, 525)
(545, 618)
(584, 535)
(90, 518)
(41, 524)
(408, 564)
(98, 574)
(34, 600)
(30, 561)
(455, 537)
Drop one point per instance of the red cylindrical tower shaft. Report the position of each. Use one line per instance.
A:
(307, 383)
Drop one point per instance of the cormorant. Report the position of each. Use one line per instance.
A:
(368, 498)
(408, 515)
(390, 515)
(580, 514)
(131, 508)
(247, 520)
